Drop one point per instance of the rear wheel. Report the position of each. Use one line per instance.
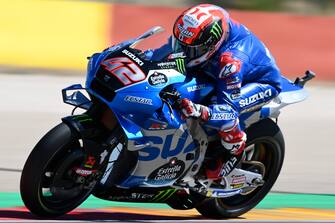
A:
(266, 145)
(49, 187)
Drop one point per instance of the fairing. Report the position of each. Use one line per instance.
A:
(290, 94)
(154, 129)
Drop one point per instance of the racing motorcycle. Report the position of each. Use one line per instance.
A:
(129, 144)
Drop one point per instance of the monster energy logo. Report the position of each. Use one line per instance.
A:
(181, 65)
(163, 195)
(216, 30)
(83, 118)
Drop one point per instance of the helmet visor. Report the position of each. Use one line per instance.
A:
(191, 52)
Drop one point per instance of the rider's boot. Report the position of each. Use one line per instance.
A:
(234, 141)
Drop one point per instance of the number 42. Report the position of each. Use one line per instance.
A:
(124, 69)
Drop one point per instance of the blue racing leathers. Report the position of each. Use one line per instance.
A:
(244, 71)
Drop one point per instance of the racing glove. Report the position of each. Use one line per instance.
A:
(190, 109)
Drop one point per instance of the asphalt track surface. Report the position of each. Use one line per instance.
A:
(32, 104)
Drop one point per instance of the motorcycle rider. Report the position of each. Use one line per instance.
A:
(226, 52)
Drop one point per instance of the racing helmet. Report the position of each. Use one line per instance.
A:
(199, 32)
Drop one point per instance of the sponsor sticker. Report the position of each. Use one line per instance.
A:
(139, 100)
(228, 69)
(238, 179)
(235, 95)
(216, 31)
(236, 186)
(157, 79)
(167, 65)
(191, 21)
(157, 126)
(184, 32)
(233, 86)
(181, 65)
(132, 197)
(163, 195)
(222, 193)
(254, 98)
(176, 55)
(223, 116)
(233, 80)
(132, 56)
(222, 107)
(90, 162)
(167, 172)
(196, 87)
(253, 108)
(83, 172)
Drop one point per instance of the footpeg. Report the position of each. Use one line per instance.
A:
(257, 182)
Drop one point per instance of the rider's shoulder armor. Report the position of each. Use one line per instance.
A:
(245, 47)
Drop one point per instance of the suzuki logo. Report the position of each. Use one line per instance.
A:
(150, 153)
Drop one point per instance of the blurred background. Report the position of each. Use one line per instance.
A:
(60, 34)
(44, 45)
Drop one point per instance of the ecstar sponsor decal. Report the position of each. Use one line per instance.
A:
(223, 116)
(139, 100)
(132, 197)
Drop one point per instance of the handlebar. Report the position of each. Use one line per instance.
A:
(171, 97)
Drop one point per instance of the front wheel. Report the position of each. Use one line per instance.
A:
(265, 144)
(48, 186)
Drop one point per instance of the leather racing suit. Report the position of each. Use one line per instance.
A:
(245, 73)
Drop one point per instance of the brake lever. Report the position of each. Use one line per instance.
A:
(171, 98)
(173, 95)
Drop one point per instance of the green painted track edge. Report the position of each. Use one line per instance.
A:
(271, 201)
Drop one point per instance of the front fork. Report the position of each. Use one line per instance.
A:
(93, 130)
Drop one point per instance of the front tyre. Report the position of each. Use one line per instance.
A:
(47, 186)
(265, 144)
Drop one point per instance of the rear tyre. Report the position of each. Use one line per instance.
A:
(47, 186)
(266, 145)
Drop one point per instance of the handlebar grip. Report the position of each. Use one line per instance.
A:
(309, 75)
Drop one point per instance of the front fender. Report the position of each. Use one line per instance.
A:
(83, 126)
(92, 139)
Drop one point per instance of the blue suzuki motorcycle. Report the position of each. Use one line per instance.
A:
(130, 143)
